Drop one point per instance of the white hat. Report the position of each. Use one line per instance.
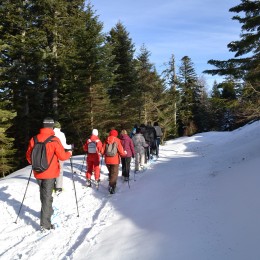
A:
(95, 132)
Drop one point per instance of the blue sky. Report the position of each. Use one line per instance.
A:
(200, 29)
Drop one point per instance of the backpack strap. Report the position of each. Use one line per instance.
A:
(49, 139)
(35, 139)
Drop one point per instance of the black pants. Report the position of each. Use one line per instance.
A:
(46, 189)
(158, 141)
(126, 166)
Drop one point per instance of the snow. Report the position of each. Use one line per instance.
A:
(198, 201)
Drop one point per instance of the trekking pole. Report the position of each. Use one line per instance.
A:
(129, 173)
(23, 197)
(74, 185)
(83, 163)
(101, 163)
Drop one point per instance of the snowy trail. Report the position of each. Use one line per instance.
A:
(95, 208)
(203, 192)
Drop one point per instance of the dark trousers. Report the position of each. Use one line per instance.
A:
(158, 141)
(46, 189)
(147, 154)
(126, 166)
(113, 174)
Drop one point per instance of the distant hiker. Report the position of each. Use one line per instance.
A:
(62, 137)
(151, 139)
(128, 146)
(46, 179)
(159, 134)
(146, 149)
(133, 132)
(149, 134)
(139, 146)
(112, 150)
(93, 147)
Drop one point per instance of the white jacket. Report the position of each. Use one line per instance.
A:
(158, 130)
(62, 138)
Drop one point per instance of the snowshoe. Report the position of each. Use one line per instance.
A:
(97, 182)
(88, 183)
(111, 190)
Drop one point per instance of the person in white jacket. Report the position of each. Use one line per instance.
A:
(62, 137)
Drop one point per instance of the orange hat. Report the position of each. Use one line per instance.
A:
(113, 133)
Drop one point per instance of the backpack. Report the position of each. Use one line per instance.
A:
(92, 146)
(111, 149)
(39, 155)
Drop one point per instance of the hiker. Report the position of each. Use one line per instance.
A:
(133, 132)
(62, 137)
(146, 148)
(93, 147)
(139, 146)
(128, 146)
(149, 134)
(112, 158)
(46, 179)
(150, 137)
(159, 134)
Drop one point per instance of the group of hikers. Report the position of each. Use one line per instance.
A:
(142, 144)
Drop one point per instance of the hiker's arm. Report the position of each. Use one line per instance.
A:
(121, 150)
(60, 152)
(29, 151)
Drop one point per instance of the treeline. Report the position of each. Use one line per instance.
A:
(55, 60)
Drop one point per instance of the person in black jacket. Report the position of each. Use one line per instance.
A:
(149, 134)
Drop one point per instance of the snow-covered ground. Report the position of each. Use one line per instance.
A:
(199, 201)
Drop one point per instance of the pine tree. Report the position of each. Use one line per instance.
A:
(35, 39)
(89, 74)
(245, 66)
(171, 98)
(190, 93)
(6, 143)
(19, 67)
(122, 91)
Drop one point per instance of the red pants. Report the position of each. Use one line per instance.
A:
(93, 161)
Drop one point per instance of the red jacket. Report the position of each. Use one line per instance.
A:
(55, 147)
(120, 150)
(91, 139)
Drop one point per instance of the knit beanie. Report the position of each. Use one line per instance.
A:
(57, 124)
(95, 132)
(113, 133)
(48, 122)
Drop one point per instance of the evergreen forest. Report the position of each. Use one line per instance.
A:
(55, 60)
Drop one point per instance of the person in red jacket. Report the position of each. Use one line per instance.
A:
(93, 147)
(46, 179)
(112, 162)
